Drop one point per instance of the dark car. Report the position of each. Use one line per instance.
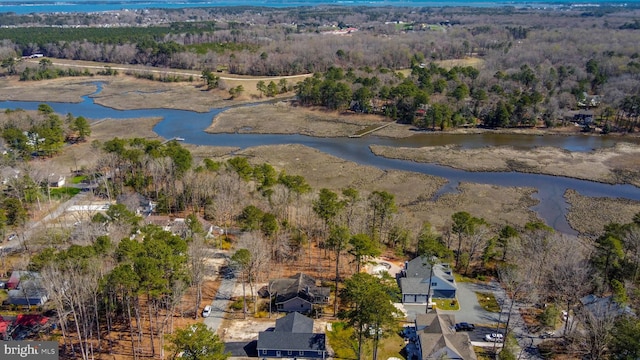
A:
(463, 326)
(226, 272)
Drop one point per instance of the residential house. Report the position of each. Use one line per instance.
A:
(26, 288)
(415, 277)
(583, 117)
(298, 293)
(292, 338)
(437, 338)
(589, 101)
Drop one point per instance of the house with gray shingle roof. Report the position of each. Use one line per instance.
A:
(27, 288)
(293, 337)
(298, 293)
(414, 281)
(437, 338)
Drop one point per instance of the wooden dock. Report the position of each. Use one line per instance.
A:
(369, 131)
(177, 138)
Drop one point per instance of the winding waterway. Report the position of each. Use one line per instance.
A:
(552, 206)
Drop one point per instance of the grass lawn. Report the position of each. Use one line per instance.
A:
(64, 192)
(482, 353)
(345, 345)
(78, 179)
(488, 301)
(447, 304)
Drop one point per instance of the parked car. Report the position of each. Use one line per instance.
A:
(207, 311)
(494, 337)
(12, 237)
(464, 326)
(226, 272)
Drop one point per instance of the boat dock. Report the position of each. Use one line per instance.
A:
(367, 130)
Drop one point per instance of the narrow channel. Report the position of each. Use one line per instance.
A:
(552, 206)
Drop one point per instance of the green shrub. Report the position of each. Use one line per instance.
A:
(549, 317)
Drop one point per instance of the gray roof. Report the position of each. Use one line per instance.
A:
(603, 306)
(295, 323)
(30, 291)
(299, 285)
(438, 339)
(417, 277)
(419, 268)
(436, 323)
(293, 332)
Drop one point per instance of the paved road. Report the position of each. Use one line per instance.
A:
(220, 304)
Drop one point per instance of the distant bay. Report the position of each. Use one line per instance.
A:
(88, 6)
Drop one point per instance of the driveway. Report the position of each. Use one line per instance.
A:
(220, 303)
(471, 312)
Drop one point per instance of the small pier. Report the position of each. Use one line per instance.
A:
(369, 130)
(177, 138)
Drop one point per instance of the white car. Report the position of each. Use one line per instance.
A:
(494, 337)
(207, 311)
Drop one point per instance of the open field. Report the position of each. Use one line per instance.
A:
(128, 92)
(286, 118)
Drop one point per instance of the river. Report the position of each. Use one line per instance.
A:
(552, 206)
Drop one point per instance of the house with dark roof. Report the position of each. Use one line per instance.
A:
(292, 338)
(27, 289)
(298, 293)
(415, 277)
(437, 338)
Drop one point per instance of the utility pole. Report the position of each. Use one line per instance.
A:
(270, 300)
(495, 341)
(431, 262)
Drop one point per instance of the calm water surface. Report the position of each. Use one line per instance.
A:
(86, 6)
(552, 207)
